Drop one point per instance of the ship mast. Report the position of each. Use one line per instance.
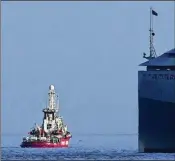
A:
(152, 51)
(52, 96)
(50, 111)
(53, 99)
(57, 104)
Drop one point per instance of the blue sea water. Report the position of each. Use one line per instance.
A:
(98, 147)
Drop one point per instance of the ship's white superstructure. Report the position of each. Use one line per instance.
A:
(53, 128)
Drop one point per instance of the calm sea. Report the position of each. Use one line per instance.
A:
(82, 147)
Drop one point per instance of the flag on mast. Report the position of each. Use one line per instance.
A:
(154, 13)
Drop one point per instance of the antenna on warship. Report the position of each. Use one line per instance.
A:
(152, 50)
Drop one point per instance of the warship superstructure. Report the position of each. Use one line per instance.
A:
(53, 133)
(156, 97)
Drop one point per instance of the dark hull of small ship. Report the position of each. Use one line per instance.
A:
(156, 126)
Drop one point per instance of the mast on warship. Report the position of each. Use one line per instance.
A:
(152, 51)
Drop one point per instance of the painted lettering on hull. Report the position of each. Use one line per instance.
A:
(160, 76)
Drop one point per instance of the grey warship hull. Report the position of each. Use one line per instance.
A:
(157, 129)
(156, 96)
(156, 99)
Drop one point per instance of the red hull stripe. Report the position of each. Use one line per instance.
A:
(62, 144)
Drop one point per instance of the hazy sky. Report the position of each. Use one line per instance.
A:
(90, 51)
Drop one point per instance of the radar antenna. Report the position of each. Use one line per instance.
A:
(152, 50)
